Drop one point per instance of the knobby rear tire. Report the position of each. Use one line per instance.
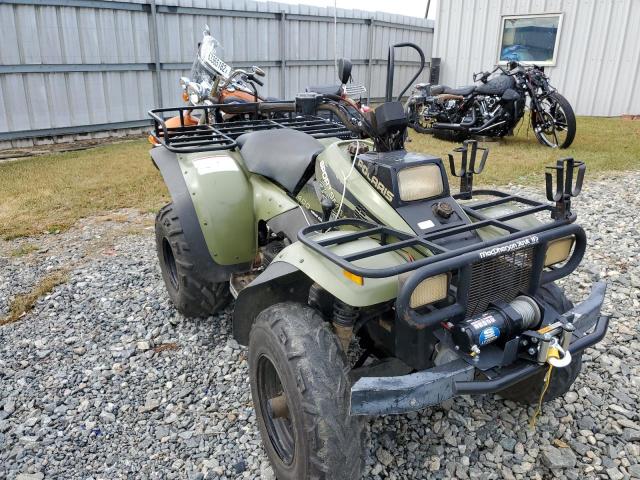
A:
(192, 295)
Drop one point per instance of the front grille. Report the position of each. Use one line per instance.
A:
(502, 277)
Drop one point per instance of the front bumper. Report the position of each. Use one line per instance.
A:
(385, 395)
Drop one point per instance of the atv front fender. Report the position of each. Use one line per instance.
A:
(215, 257)
(292, 272)
(333, 278)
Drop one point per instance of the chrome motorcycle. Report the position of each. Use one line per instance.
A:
(493, 106)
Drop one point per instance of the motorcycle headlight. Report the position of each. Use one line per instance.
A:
(194, 92)
(429, 290)
(558, 250)
(418, 183)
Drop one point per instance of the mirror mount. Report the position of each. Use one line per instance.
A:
(344, 70)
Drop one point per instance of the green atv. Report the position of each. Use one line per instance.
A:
(362, 285)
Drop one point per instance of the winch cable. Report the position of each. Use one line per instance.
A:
(345, 178)
(554, 360)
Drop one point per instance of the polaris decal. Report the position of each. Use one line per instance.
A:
(351, 204)
(375, 181)
(510, 247)
(489, 335)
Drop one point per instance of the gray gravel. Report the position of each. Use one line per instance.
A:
(103, 379)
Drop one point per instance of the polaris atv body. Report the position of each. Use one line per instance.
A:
(325, 239)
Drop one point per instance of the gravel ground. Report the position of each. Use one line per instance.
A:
(103, 379)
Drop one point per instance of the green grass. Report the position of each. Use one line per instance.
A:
(604, 144)
(51, 192)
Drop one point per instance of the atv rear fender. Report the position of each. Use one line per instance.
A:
(219, 206)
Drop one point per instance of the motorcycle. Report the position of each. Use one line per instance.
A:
(212, 81)
(351, 93)
(493, 106)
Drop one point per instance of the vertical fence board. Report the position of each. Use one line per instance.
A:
(69, 66)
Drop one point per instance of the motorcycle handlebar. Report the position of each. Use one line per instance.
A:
(254, 79)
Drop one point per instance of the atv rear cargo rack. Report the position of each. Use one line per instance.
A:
(531, 242)
(187, 137)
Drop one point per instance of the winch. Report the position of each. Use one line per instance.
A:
(502, 321)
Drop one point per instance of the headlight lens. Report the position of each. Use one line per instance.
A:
(418, 183)
(429, 290)
(558, 250)
(193, 90)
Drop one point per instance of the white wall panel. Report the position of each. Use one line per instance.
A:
(598, 53)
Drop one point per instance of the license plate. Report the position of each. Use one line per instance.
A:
(219, 66)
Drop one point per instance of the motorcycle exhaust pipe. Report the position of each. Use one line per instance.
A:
(458, 127)
(489, 123)
(490, 126)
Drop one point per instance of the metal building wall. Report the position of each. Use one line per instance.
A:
(78, 66)
(598, 59)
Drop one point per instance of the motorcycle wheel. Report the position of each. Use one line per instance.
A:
(555, 124)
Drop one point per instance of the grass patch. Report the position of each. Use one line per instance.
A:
(23, 250)
(51, 192)
(23, 303)
(605, 144)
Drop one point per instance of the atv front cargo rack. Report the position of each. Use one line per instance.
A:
(514, 248)
(190, 136)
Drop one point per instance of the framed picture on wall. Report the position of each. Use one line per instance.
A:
(530, 39)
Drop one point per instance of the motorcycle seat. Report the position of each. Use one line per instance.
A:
(464, 91)
(437, 89)
(325, 89)
(285, 156)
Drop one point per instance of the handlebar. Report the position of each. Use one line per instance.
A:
(254, 79)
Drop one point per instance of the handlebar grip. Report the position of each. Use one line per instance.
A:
(259, 82)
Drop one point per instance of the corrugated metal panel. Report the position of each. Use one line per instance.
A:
(598, 59)
(95, 41)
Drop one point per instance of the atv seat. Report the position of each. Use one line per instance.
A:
(464, 91)
(285, 156)
(325, 89)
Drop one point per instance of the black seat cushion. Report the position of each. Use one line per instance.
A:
(437, 89)
(325, 89)
(464, 91)
(285, 156)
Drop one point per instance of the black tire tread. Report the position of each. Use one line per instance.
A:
(313, 351)
(196, 297)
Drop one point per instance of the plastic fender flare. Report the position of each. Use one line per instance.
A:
(204, 264)
(280, 282)
(290, 275)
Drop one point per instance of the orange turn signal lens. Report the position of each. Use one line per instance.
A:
(185, 96)
(353, 277)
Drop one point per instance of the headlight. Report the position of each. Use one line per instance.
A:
(194, 92)
(418, 183)
(558, 250)
(429, 290)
